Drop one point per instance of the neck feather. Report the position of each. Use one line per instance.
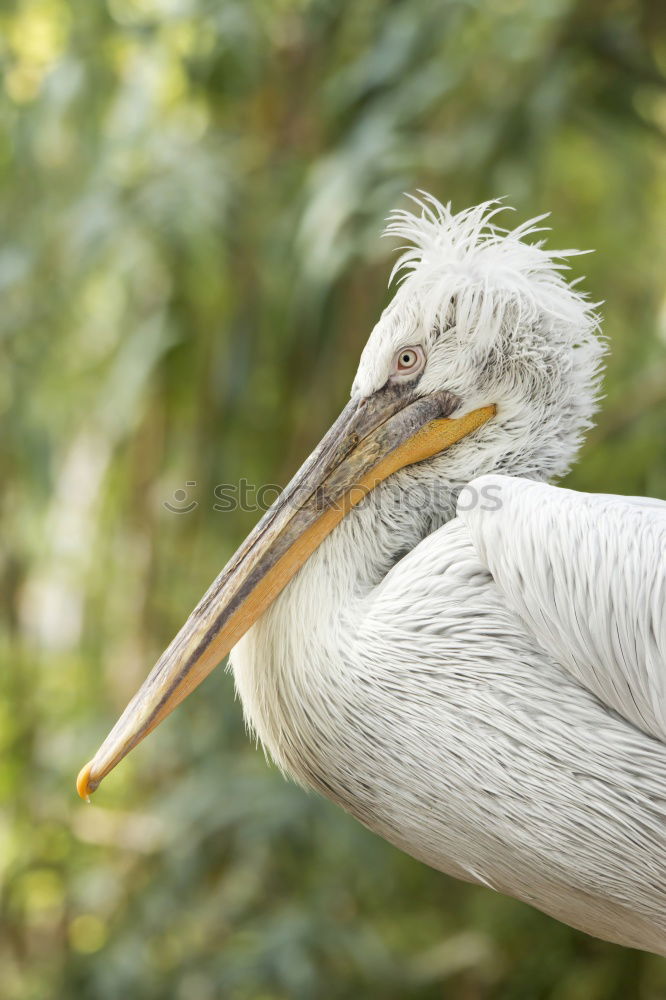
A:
(306, 635)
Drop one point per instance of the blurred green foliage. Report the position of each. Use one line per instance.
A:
(192, 193)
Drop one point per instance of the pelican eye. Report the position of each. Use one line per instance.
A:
(408, 361)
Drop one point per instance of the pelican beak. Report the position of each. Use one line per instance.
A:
(372, 438)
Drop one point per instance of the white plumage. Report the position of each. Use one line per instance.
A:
(469, 661)
(486, 691)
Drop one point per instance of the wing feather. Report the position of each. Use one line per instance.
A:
(587, 575)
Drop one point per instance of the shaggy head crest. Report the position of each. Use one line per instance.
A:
(466, 270)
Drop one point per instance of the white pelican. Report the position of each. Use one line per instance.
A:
(485, 689)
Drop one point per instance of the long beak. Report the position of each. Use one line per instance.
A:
(372, 438)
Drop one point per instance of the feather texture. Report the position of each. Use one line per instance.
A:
(587, 576)
(467, 270)
(484, 690)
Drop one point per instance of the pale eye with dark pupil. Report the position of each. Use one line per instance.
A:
(407, 360)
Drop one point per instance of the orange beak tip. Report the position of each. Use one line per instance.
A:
(84, 786)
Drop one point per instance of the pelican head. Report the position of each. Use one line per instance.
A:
(486, 359)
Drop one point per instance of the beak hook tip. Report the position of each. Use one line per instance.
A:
(84, 785)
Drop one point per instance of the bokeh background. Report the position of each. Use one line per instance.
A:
(192, 193)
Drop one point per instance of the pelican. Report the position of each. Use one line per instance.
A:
(470, 661)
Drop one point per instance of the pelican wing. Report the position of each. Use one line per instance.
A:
(587, 575)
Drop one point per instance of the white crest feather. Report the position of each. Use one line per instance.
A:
(488, 272)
